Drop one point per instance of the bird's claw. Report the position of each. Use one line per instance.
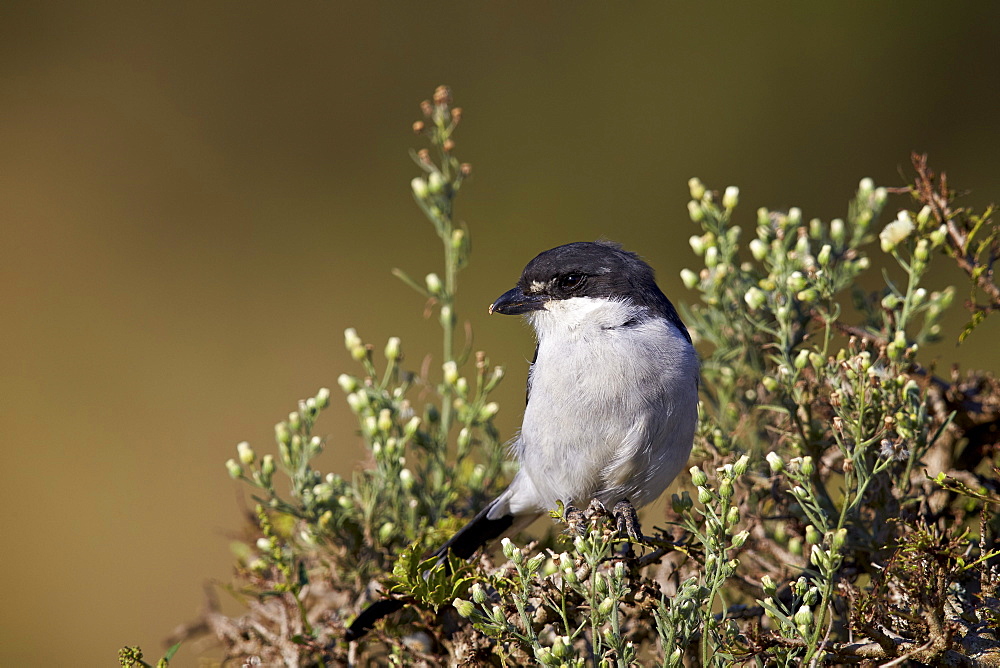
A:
(575, 519)
(596, 509)
(625, 517)
(579, 519)
(627, 521)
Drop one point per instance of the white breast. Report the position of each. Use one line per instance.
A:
(612, 406)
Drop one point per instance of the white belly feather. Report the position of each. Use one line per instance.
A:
(604, 421)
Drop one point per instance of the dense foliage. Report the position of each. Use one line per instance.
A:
(841, 506)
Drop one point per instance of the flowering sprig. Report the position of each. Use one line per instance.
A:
(843, 411)
(713, 523)
(970, 238)
(427, 465)
(560, 608)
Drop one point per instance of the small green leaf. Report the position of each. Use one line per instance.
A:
(169, 654)
(975, 321)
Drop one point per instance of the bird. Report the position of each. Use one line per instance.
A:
(612, 397)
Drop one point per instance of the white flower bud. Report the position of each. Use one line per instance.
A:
(824, 255)
(740, 467)
(711, 256)
(450, 372)
(732, 516)
(351, 339)
(356, 402)
(817, 556)
(435, 183)
(698, 477)
(924, 215)
(411, 427)
(560, 647)
(511, 552)
(323, 397)
(489, 410)
(838, 540)
(384, 424)
(536, 562)
(758, 249)
(763, 223)
(267, 466)
(796, 281)
(347, 383)
(755, 298)
(392, 349)
(731, 198)
(464, 608)
(803, 619)
(696, 212)
(458, 240)
(697, 244)
(697, 188)
(419, 187)
(837, 230)
(433, 282)
(245, 453)
(938, 236)
(802, 247)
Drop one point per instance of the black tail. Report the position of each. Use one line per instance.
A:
(374, 612)
(479, 531)
(463, 544)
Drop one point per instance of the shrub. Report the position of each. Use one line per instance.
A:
(841, 506)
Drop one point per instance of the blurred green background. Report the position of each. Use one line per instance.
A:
(197, 198)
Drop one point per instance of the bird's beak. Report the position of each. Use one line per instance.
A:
(515, 302)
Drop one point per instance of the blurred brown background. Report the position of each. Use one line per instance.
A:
(197, 198)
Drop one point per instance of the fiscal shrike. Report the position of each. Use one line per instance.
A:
(612, 394)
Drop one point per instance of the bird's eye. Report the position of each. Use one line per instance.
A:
(571, 281)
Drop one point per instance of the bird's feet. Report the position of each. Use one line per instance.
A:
(625, 517)
(578, 519)
(627, 521)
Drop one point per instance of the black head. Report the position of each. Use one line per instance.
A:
(586, 269)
